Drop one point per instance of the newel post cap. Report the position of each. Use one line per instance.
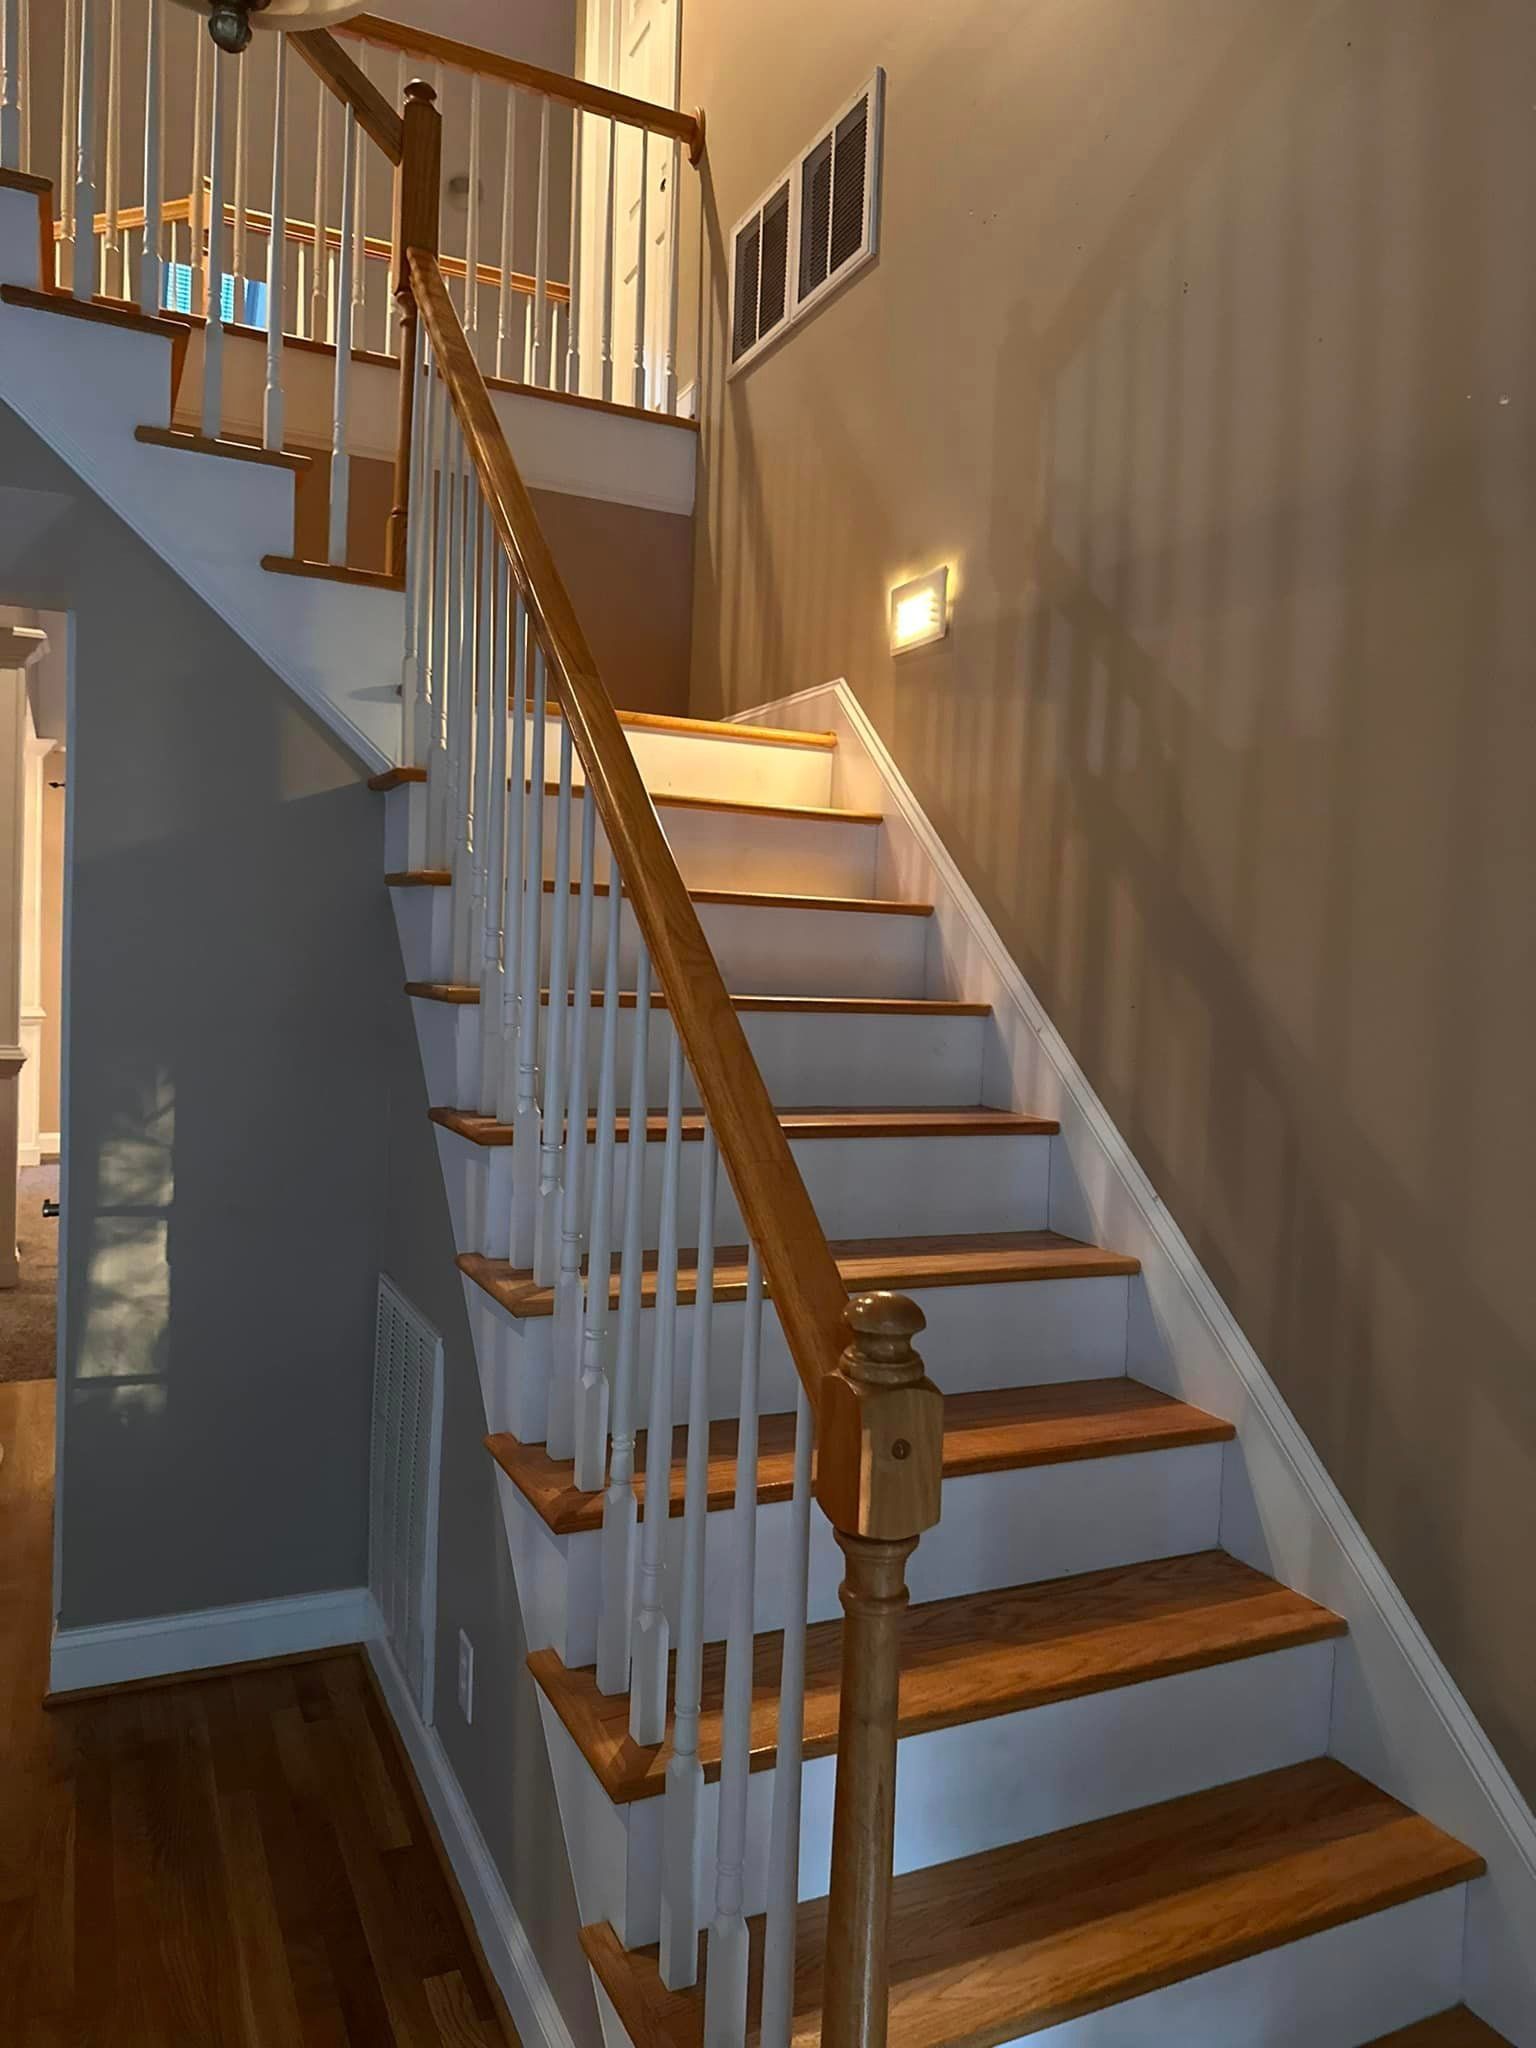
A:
(880, 1426)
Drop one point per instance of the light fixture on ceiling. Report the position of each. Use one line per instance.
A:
(230, 21)
(920, 611)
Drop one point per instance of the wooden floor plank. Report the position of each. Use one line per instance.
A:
(1002, 1430)
(1455, 2029)
(973, 1259)
(972, 1657)
(1029, 1936)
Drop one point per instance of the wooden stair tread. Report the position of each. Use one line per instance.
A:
(971, 1658)
(24, 181)
(965, 1259)
(1455, 2029)
(396, 778)
(232, 451)
(893, 1122)
(756, 899)
(108, 312)
(853, 1006)
(331, 572)
(1005, 1429)
(1025, 1937)
(715, 729)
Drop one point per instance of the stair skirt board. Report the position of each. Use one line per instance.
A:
(1399, 1717)
(119, 1652)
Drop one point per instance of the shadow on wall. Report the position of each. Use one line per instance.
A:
(1234, 731)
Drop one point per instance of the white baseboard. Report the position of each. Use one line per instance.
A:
(1399, 1717)
(503, 1937)
(163, 1644)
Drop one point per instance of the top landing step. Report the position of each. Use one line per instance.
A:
(655, 721)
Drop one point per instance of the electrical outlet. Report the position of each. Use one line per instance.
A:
(466, 1677)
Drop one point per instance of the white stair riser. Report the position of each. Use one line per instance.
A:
(708, 764)
(997, 1529)
(713, 849)
(861, 1187)
(20, 247)
(846, 1058)
(119, 379)
(985, 1783)
(1003, 1334)
(761, 949)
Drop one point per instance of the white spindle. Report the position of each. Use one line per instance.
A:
(512, 916)
(412, 660)
(445, 963)
(439, 831)
(69, 120)
(784, 1828)
(472, 219)
(354, 224)
(272, 396)
(213, 275)
(112, 277)
(642, 265)
(652, 1645)
(572, 322)
(154, 154)
(24, 66)
(238, 254)
(608, 257)
(525, 1139)
(541, 362)
(552, 1116)
(492, 969)
(592, 1393)
(589, 1421)
(83, 282)
(508, 233)
(10, 88)
(320, 260)
(341, 467)
(725, 1984)
(674, 175)
(482, 936)
(461, 716)
(680, 1896)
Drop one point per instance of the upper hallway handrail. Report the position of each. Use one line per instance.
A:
(687, 128)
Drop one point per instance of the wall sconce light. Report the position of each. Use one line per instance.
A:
(920, 611)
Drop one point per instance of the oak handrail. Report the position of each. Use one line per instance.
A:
(799, 1271)
(556, 85)
(350, 83)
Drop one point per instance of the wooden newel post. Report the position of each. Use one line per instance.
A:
(880, 1445)
(416, 216)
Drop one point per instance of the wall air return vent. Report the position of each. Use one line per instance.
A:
(826, 211)
(403, 1472)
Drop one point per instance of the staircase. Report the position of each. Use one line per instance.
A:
(1115, 1814)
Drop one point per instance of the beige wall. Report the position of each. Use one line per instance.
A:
(1201, 344)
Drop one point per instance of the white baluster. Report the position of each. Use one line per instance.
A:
(354, 224)
(112, 238)
(69, 120)
(784, 1828)
(572, 322)
(546, 1258)
(592, 1390)
(669, 396)
(615, 1623)
(642, 266)
(462, 729)
(213, 274)
(341, 467)
(486, 793)
(525, 1125)
(320, 260)
(444, 964)
(272, 396)
(652, 1644)
(541, 362)
(149, 259)
(589, 1444)
(439, 832)
(11, 88)
(512, 916)
(24, 66)
(725, 1983)
(197, 210)
(608, 258)
(413, 657)
(241, 223)
(508, 233)
(83, 282)
(492, 967)
(681, 1912)
(472, 219)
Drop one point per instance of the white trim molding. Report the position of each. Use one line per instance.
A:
(118, 1652)
(503, 1938)
(1398, 1716)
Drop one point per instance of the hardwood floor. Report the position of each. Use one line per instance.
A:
(232, 1861)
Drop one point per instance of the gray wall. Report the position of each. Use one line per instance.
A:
(247, 1146)
(1200, 342)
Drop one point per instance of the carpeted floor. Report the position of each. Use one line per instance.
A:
(27, 1312)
